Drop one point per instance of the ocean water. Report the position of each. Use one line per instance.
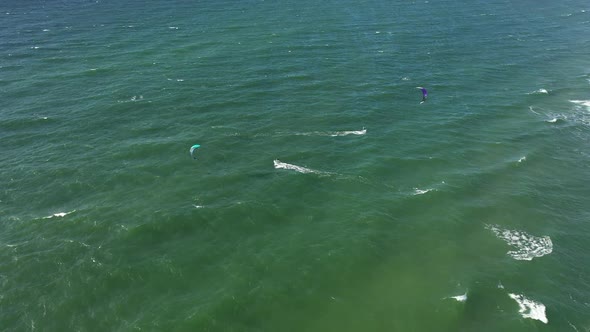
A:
(324, 196)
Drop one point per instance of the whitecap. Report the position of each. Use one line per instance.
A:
(523, 158)
(529, 308)
(527, 246)
(418, 191)
(349, 132)
(540, 91)
(581, 102)
(60, 215)
(281, 165)
(331, 133)
(459, 298)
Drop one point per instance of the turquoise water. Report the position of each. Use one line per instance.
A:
(324, 196)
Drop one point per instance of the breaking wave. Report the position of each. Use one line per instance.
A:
(59, 215)
(527, 246)
(529, 308)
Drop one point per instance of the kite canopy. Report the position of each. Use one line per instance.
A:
(192, 150)
(424, 93)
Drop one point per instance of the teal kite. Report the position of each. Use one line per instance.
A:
(193, 148)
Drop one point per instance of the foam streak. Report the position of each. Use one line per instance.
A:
(281, 165)
(333, 133)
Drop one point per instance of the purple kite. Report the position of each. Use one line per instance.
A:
(424, 94)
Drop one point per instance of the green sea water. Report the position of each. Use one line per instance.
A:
(324, 196)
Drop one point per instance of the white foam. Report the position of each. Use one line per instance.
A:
(533, 110)
(333, 133)
(581, 111)
(523, 158)
(459, 298)
(45, 30)
(529, 308)
(527, 246)
(421, 191)
(279, 164)
(349, 132)
(581, 102)
(60, 215)
(553, 117)
(540, 91)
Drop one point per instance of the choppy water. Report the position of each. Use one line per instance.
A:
(324, 196)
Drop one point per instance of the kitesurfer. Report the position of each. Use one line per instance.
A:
(424, 93)
(192, 150)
